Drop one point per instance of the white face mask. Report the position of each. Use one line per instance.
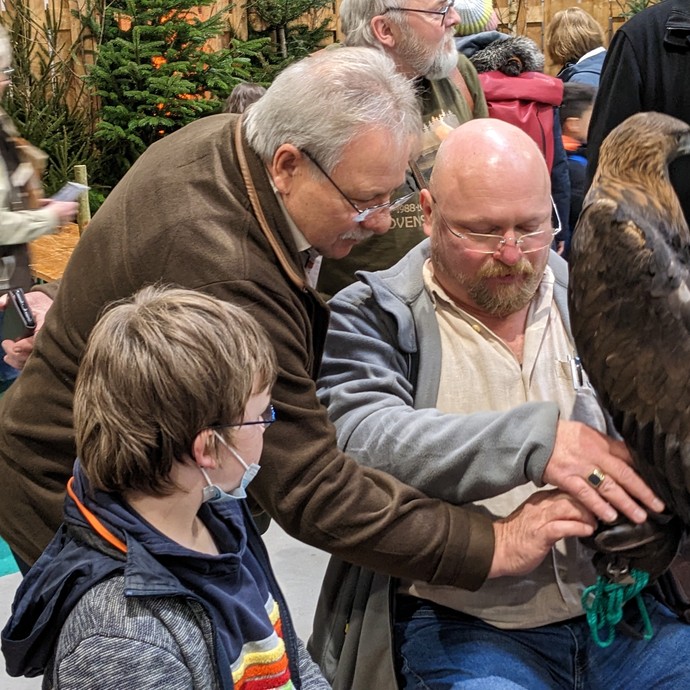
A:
(213, 492)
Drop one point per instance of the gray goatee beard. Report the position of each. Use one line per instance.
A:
(445, 61)
(436, 65)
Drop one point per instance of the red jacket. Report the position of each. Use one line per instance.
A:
(526, 101)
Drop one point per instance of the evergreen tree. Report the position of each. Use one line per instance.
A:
(154, 73)
(285, 22)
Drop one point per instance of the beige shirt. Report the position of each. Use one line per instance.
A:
(479, 372)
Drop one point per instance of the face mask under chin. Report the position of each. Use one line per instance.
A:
(212, 492)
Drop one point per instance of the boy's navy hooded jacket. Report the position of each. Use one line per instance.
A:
(88, 549)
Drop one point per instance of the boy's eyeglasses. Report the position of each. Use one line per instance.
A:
(268, 416)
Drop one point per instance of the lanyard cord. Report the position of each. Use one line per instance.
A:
(96, 525)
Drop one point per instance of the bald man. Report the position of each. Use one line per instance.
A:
(454, 371)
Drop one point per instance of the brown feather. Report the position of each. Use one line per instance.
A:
(630, 299)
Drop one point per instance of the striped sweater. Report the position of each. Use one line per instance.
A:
(111, 641)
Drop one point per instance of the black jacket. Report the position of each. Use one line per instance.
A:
(647, 67)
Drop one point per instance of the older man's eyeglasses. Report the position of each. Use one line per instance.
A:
(443, 11)
(490, 244)
(267, 417)
(362, 213)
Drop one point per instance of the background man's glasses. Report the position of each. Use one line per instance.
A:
(362, 213)
(443, 11)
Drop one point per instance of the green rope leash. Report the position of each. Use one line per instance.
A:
(603, 604)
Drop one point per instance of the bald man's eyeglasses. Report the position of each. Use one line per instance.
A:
(490, 244)
(443, 11)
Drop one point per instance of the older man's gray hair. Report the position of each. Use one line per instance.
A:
(321, 102)
(355, 20)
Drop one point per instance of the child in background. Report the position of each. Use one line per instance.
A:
(158, 577)
(575, 113)
(575, 40)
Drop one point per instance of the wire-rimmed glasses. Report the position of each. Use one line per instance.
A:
(362, 213)
(490, 244)
(268, 416)
(443, 11)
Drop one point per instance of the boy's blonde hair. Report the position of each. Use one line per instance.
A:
(157, 369)
(571, 34)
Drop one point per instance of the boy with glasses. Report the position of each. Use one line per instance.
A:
(158, 577)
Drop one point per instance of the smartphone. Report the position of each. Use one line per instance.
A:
(70, 192)
(18, 322)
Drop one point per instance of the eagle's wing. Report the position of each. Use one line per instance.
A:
(630, 313)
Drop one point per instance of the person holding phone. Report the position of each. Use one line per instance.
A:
(24, 214)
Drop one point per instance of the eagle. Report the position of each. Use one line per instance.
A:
(629, 301)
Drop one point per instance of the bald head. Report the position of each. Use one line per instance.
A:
(490, 180)
(488, 154)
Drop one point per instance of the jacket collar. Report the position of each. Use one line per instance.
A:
(678, 26)
(259, 189)
(77, 559)
(404, 283)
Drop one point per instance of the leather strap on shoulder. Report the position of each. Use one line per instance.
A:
(293, 275)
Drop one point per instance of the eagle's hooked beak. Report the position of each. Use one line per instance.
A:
(683, 147)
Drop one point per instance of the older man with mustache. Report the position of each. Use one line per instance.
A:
(454, 371)
(238, 208)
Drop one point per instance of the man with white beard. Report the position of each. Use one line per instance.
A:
(418, 35)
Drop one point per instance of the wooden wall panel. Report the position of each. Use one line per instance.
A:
(526, 17)
(530, 17)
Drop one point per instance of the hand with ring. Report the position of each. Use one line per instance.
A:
(598, 470)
